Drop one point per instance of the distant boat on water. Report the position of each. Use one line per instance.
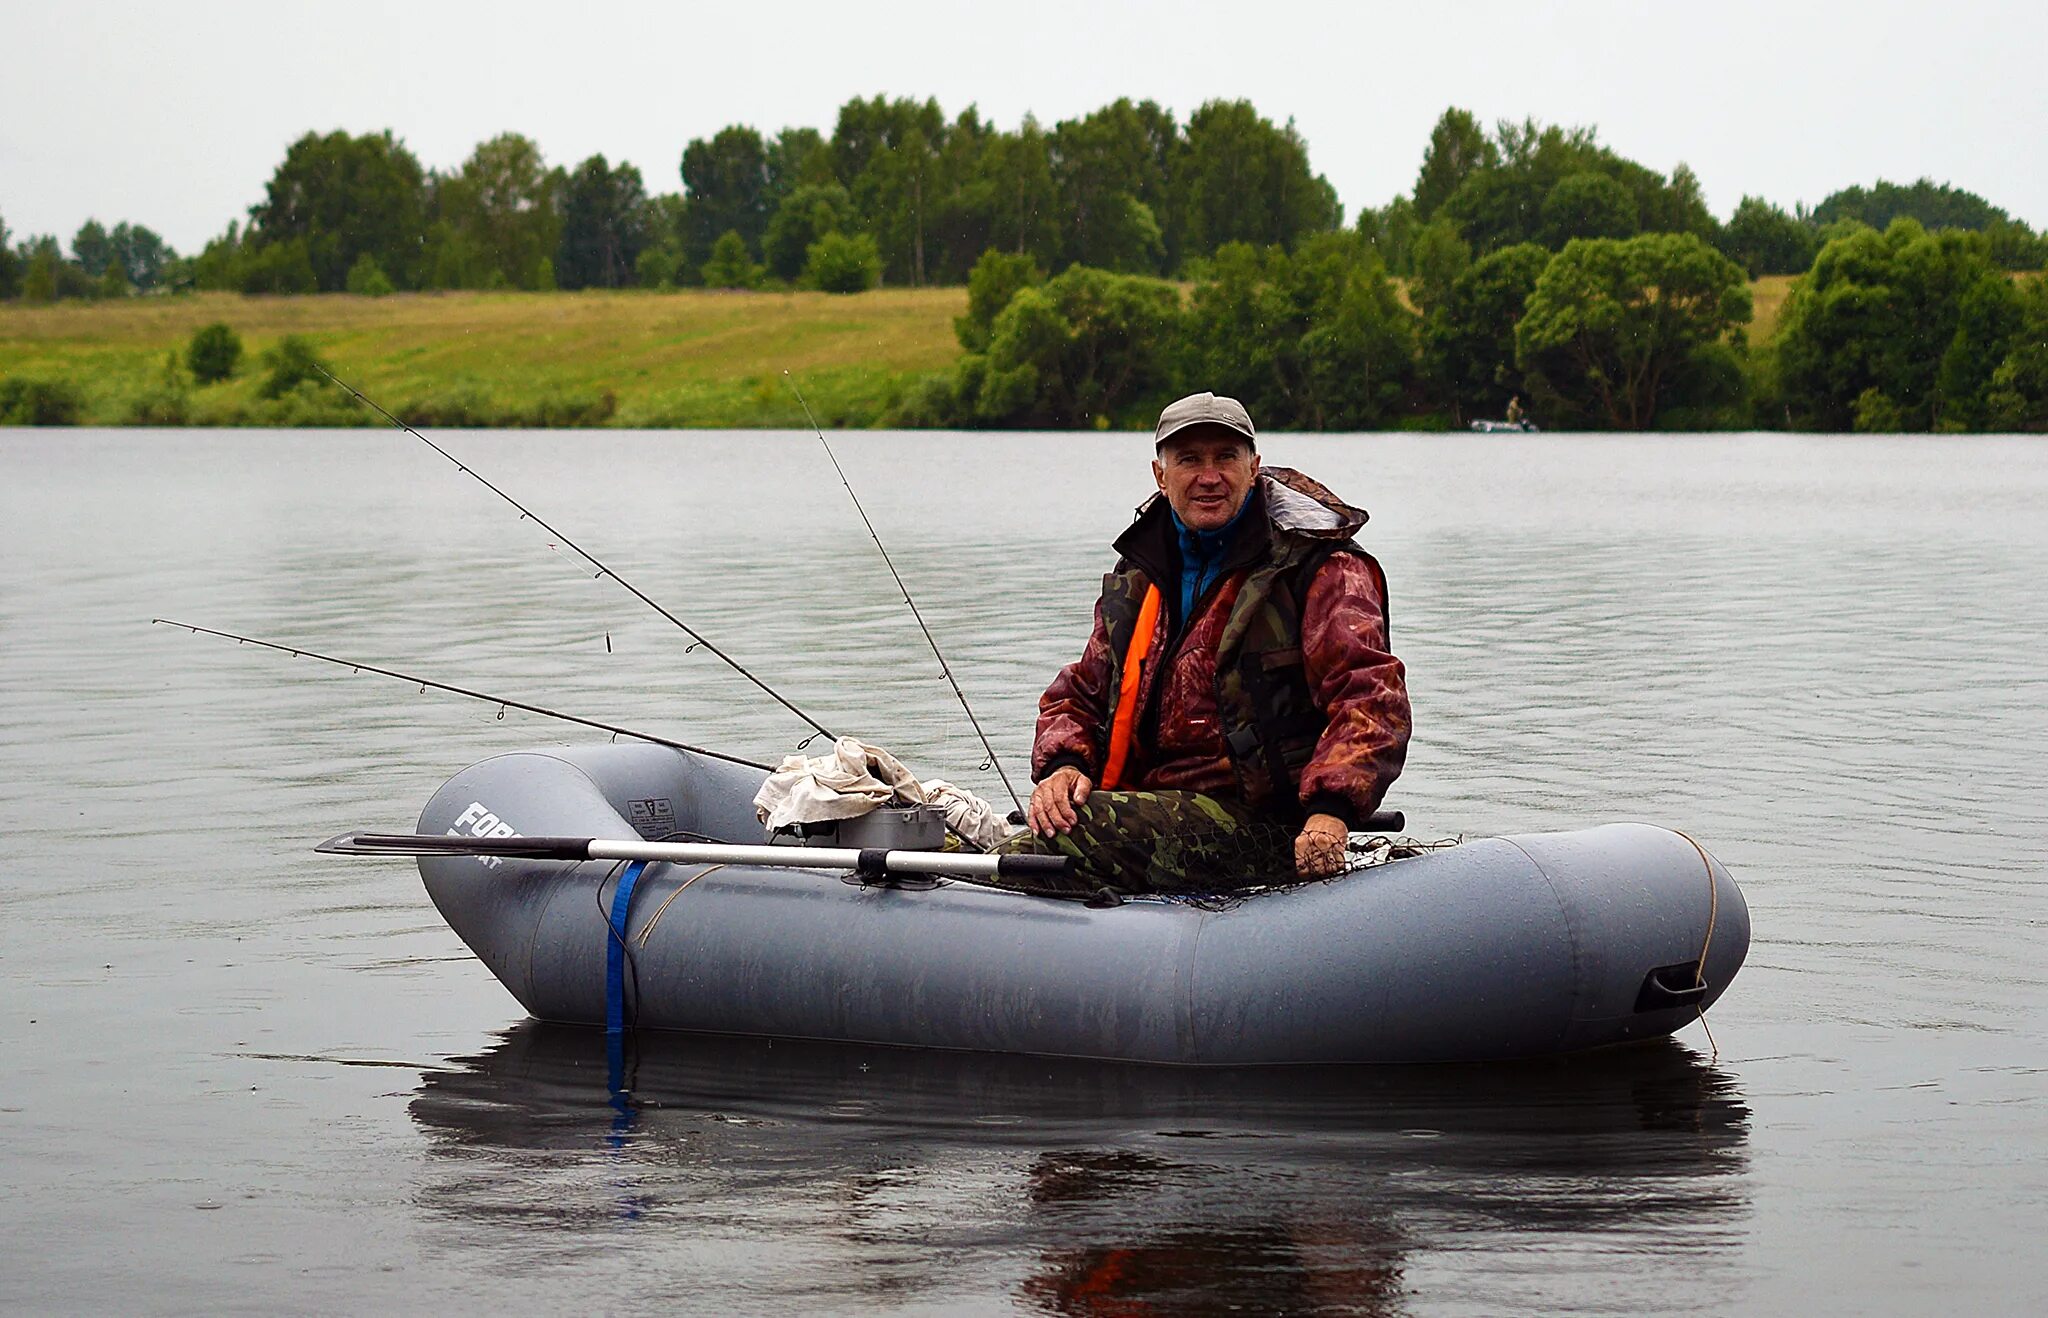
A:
(1490, 427)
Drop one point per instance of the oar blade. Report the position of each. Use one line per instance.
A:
(435, 844)
(349, 844)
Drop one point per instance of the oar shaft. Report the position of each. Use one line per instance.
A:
(810, 858)
(700, 853)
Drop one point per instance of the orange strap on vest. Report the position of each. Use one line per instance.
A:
(1126, 720)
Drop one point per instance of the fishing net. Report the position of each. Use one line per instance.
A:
(1229, 867)
(1220, 868)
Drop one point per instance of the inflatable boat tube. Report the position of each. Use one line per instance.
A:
(1506, 947)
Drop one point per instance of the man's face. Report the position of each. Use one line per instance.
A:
(1205, 475)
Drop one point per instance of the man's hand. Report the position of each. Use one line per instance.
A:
(1053, 801)
(1318, 851)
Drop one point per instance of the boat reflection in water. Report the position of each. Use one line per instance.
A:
(838, 1175)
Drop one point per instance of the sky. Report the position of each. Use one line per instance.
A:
(175, 115)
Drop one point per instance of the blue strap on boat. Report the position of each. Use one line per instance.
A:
(615, 949)
(619, 1097)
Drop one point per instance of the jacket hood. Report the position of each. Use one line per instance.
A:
(1305, 506)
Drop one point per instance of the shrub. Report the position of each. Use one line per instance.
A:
(450, 407)
(729, 266)
(466, 405)
(314, 403)
(292, 363)
(944, 399)
(1073, 352)
(1468, 338)
(1617, 330)
(27, 402)
(995, 279)
(1864, 336)
(165, 401)
(214, 353)
(838, 263)
(159, 406)
(2018, 399)
(656, 268)
(1314, 339)
(558, 412)
(807, 214)
(367, 279)
(1876, 414)
(39, 285)
(278, 268)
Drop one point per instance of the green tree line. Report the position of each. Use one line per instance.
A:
(916, 197)
(898, 192)
(1898, 331)
(1479, 192)
(1118, 257)
(1539, 266)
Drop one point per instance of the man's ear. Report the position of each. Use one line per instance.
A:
(1159, 474)
(1255, 464)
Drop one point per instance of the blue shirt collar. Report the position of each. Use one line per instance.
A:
(1207, 544)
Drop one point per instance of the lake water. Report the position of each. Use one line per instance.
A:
(242, 1077)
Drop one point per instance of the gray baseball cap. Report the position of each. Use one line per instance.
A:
(1204, 409)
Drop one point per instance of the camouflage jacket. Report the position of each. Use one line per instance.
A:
(1280, 689)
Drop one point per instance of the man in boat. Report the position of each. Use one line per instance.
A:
(1237, 709)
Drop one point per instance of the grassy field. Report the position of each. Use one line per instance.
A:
(1769, 295)
(691, 358)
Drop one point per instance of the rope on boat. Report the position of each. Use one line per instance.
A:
(1699, 974)
(647, 930)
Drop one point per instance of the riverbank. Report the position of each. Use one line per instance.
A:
(694, 358)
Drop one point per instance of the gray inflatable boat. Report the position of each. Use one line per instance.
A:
(1496, 948)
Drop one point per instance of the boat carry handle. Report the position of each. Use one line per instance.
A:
(1676, 985)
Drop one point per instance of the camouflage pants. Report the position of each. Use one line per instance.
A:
(1184, 842)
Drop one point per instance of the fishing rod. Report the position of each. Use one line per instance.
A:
(586, 555)
(503, 703)
(944, 667)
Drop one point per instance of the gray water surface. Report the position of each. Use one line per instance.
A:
(240, 1076)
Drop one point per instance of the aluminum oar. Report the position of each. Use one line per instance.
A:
(865, 861)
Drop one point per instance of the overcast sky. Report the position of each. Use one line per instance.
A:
(174, 114)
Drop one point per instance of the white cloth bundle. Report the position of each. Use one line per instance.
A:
(857, 778)
(967, 814)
